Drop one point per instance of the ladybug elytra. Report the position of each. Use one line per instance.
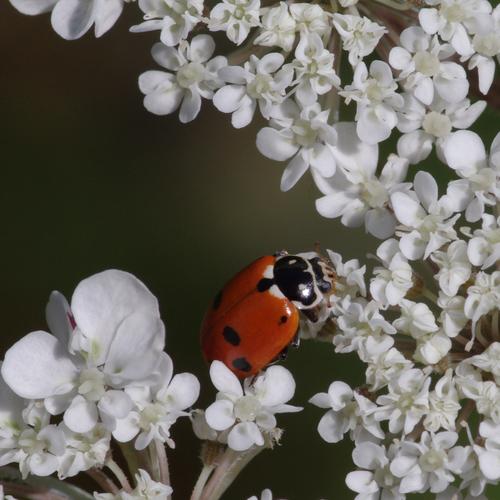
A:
(255, 316)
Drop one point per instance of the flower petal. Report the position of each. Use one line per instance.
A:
(81, 416)
(225, 380)
(72, 18)
(220, 415)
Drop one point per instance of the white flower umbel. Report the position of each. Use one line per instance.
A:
(158, 407)
(116, 337)
(427, 224)
(348, 411)
(302, 134)
(420, 60)
(194, 75)
(314, 69)
(259, 81)
(248, 413)
(71, 19)
(175, 18)
(377, 101)
(235, 17)
(423, 126)
(359, 35)
(356, 193)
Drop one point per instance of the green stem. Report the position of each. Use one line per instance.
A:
(231, 464)
(429, 295)
(202, 480)
(103, 480)
(131, 457)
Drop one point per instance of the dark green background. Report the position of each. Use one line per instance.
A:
(92, 181)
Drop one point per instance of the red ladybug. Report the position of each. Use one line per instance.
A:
(255, 316)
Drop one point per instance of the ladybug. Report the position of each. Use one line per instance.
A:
(255, 317)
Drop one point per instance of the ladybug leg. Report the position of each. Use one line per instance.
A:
(296, 341)
(280, 357)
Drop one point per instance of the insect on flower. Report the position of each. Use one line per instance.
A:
(255, 317)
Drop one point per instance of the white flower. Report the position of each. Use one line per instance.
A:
(429, 220)
(384, 362)
(391, 282)
(235, 17)
(348, 411)
(479, 187)
(194, 77)
(359, 35)
(278, 28)
(483, 296)
(83, 451)
(376, 97)
(483, 248)
(422, 70)
(416, 319)
(303, 135)
(487, 47)
(117, 340)
(377, 481)
(486, 395)
(314, 73)
(453, 20)
(452, 317)
(422, 126)
(454, 267)
(443, 404)
(253, 84)
(432, 348)
(146, 489)
(159, 407)
(407, 401)
(489, 360)
(355, 193)
(311, 18)
(248, 413)
(71, 19)
(358, 321)
(175, 18)
(428, 464)
(350, 277)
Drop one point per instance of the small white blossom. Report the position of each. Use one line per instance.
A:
(303, 135)
(359, 35)
(479, 186)
(259, 81)
(422, 69)
(452, 317)
(235, 17)
(429, 220)
(407, 401)
(278, 28)
(248, 414)
(194, 76)
(416, 319)
(377, 480)
(348, 411)
(311, 18)
(454, 267)
(377, 101)
(355, 193)
(313, 66)
(428, 464)
(489, 360)
(483, 248)
(392, 282)
(175, 18)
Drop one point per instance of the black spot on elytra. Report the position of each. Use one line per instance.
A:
(264, 284)
(217, 300)
(231, 335)
(242, 364)
(283, 319)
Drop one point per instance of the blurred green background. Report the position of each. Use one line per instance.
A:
(91, 181)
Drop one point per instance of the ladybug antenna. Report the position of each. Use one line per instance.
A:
(280, 253)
